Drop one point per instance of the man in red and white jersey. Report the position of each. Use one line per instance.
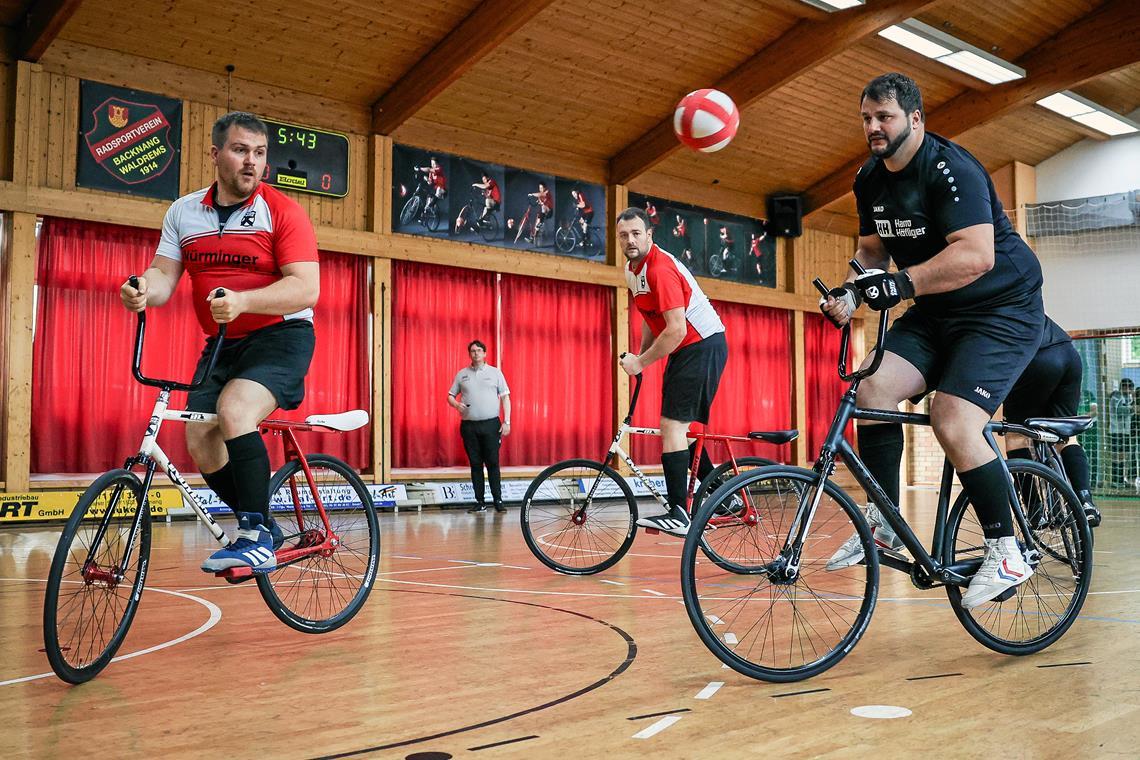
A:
(492, 195)
(544, 200)
(258, 247)
(681, 324)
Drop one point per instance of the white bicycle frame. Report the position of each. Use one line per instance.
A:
(616, 449)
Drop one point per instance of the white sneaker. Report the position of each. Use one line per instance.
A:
(851, 551)
(1003, 568)
(674, 522)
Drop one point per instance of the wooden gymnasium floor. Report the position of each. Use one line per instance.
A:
(468, 647)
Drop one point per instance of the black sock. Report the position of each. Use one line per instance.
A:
(706, 465)
(676, 466)
(881, 448)
(1076, 467)
(987, 488)
(249, 462)
(222, 483)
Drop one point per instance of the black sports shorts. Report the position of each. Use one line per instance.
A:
(691, 378)
(977, 355)
(1049, 387)
(276, 357)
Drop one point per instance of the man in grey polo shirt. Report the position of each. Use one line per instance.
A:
(475, 394)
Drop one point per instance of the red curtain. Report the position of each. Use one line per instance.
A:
(754, 392)
(436, 312)
(88, 412)
(557, 357)
(824, 387)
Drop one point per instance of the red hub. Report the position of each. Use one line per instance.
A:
(579, 517)
(92, 573)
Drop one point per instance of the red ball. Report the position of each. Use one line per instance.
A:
(706, 120)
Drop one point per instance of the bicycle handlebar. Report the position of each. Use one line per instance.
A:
(845, 342)
(140, 333)
(636, 393)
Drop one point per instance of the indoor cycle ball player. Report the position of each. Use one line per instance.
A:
(928, 205)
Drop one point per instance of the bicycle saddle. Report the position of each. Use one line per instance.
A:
(343, 422)
(774, 436)
(1064, 427)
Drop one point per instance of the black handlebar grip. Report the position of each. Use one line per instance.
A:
(133, 281)
(220, 293)
(859, 268)
(823, 291)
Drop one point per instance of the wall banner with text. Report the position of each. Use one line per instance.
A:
(129, 141)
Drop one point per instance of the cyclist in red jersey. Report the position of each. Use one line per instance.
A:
(757, 253)
(545, 201)
(435, 177)
(492, 195)
(583, 214)
(681, 324)
(258, 247)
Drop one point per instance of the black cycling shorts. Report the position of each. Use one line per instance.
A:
(691, 378)
(976, 356)
(276, 357)
(1049, 387)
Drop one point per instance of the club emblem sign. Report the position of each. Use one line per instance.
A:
(131, 141)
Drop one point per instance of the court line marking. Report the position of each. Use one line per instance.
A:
(797, 693)
(651, 591)
(1064, 664)
(612, 583)
(708, 691)
(657, 727)
(659, 714)
(927, 678)
(214, 618)
(500, 744)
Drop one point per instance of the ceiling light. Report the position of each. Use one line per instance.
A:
(835, 5)
(934, 43)
(1088, 113)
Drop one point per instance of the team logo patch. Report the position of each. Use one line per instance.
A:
(130, 140)
(883, 227)
(248, 218)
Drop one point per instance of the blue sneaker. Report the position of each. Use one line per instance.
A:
(253, 548)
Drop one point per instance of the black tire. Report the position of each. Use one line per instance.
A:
(319, 593)
(431, 216)
(727, 530)
(589, 545)
(489, 228)
(1043, 607)
(752, 619)
(86, 620)
(716, 265)
(410, 210)
(564, 239)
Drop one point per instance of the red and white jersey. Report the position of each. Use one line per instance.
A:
(546, 199)
(492, 191)
(662, 283)
(436, 177)
(247, 253)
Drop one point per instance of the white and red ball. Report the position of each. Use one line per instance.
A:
(706, 120)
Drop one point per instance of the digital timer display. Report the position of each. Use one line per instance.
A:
(306, 159)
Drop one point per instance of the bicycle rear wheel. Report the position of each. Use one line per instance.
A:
(1059, 550)
(93, 587)
(489, 228)
(578, 517)
(322, 591)
(729, 526)
(748, 612)
(564, 239)
(431, 216)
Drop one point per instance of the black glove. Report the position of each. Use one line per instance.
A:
(847, 294)
(883, 290)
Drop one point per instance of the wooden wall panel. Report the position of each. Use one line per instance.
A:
(820, 254)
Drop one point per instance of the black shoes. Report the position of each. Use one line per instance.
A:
(478, 508)
(499, 507)
(1091, 512)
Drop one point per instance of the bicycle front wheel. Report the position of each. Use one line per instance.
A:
(579, 517)
(408, 213)
(321, 591)
(1058, 549)
(96, 577)
(564, 239)
(758, 612)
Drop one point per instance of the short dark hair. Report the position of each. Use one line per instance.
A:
(898, 87)
(242, 119)
(478, 343)
(1126, 381)
(633, 212)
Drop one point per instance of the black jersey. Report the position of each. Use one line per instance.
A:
(941, 190)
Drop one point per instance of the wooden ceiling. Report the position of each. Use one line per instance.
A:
(589, 85)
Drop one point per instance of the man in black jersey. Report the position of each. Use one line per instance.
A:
(976, 322)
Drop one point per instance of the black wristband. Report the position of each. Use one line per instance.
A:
(906, 285)
(854, 291)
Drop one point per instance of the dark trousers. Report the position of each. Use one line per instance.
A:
(481, 441)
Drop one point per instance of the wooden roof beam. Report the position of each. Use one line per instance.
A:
(42, 24)
(1100, 43)
(492, 22)
(803, 47)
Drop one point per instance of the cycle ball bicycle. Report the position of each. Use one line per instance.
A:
(579, 515)
(326, 559)
(779, 614)
(471, 219)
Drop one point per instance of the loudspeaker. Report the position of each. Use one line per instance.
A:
(785, 215)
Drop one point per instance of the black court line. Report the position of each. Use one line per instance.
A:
(631, 654)
(927, 678)
(1064, 664)
(499, 744)
(797, 693)
(658, 715)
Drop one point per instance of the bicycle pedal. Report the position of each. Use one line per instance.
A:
(235, 575)
(652, 531)
(1007, 594)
